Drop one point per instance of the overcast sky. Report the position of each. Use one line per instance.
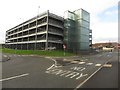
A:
(103, 14)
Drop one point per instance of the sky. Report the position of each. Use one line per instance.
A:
(103, 15)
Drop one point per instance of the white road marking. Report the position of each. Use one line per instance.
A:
(64, 59)
(74, 61)
(67, 60)
(18, 76)
(78, 68)
(82, 69)
(4, 55)
(97, 65)
(89, 63)
(82, 75)
(81, 62)
(55, 65)
(107, 65)
(88, 77)
(66, 73)
(74, 75)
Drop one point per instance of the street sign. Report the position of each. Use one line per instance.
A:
(118, 46)
(64, 46)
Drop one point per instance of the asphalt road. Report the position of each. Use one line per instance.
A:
(107, 77)
(46, 72)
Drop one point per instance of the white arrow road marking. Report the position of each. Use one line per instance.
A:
(55, 65)
(18, 76)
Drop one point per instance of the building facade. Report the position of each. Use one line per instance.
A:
(48, 30)
(39, 33)
(107, 45)
(77, 33)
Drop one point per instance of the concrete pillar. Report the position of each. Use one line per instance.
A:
(46, 44)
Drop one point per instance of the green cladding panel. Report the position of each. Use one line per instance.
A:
(76, 32)
(82, 14)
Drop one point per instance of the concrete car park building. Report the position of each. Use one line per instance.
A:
(48, 30)
(41, 32)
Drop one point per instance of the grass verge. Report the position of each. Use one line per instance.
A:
(55, 53)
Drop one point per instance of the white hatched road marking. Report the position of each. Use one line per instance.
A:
(97, 65)
(89, 63)
(55, 65)
(4, 55)
(74, 61)
(107, 65)
(81, 63)
(18, 76)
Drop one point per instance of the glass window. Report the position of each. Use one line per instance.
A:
(84, 45)
(82, 14)
(69, 15)
(85, 15)
(84, 38)
(84, 31)
(83, 23)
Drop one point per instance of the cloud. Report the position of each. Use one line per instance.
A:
(13, 10)
(111, 12)
(105, 31)
(99, 40)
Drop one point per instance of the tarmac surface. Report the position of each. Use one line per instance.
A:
(23, 71)
(4, 58)
(107, 77)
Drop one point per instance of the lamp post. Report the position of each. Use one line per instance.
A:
(22, 31)
(64, 47)
(36, 28)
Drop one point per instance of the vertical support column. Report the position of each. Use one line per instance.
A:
(22, 38)
(28, 37)
(6, 38)
(46, 44)
(36, 30)
(17, 40)
(36, 33)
